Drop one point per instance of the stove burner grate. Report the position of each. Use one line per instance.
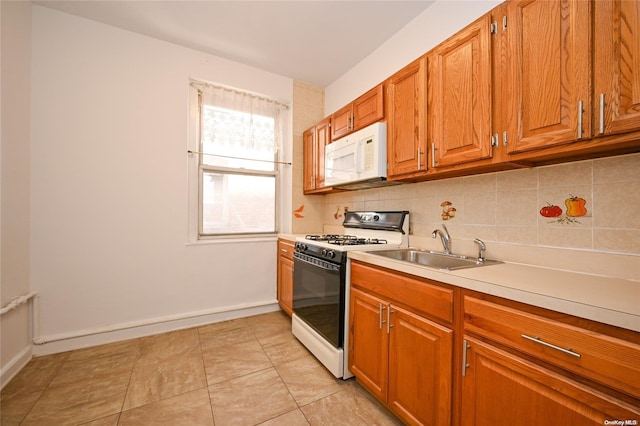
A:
(326, 237)
(345, 240)
(356, 241)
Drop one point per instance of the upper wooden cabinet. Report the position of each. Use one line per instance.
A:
(616, 67)
(365, 110)
(548, 76)
(314, 140)
(460, 96)
(406, 122)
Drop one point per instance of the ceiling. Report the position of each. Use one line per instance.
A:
(310, 41)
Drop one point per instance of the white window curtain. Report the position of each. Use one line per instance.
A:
(238, 127)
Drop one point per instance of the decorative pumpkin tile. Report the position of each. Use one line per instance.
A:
(297, 213)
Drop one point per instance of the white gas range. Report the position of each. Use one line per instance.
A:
(320, 281)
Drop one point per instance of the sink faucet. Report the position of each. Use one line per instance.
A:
(481, 247)
(445, 237)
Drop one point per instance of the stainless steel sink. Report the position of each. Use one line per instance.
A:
(434, 259)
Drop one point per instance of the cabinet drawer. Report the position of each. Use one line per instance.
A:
(285, 249)
(600, 357)
(419, 295)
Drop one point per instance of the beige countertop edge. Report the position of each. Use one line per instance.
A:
(290, 237)
(611, 301)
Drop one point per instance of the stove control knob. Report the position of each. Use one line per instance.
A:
(331, 254)
(301, 246)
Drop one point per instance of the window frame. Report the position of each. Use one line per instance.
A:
(198, 169)
(202, 169)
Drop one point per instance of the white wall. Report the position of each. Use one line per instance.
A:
(15, 39)
(436, 23)
(109, 209)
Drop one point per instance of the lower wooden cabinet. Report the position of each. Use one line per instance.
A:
(528, 365)
(285, 275)
(501, 388)
(435, 354)
(420, 364)
(401, 357)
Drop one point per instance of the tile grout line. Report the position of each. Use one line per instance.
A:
(206, 380)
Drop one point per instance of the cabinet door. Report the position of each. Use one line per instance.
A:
(341, 122)
(285, 275)
(315, 140)
(309, 153)
(460, 94)
(285, 284)
(420, 354)
(323, 138)
(616, 66)
(501, 388)
(548, 72)
(368, 342)
(406, 139)
(368, 108)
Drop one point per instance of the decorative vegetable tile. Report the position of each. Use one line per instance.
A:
(574, 208)
(448, 211)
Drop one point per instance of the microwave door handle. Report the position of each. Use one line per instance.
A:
(358, 156)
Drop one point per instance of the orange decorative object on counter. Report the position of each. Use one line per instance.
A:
(575, 206)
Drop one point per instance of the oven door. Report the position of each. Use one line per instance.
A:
(319, 296)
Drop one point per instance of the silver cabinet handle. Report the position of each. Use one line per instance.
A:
(389, 325)
(465, 346)
(601, 113)
(549, 345)
(433, 155)
(419, 159)
(380, 321)
(580, 112)
(284, 250)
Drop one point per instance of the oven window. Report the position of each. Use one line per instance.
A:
(318, 299)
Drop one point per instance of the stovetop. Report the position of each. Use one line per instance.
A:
(345, 240)
(363, 230)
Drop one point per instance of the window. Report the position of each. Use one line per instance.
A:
(239, 139)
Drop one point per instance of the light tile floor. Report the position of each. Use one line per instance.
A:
(249, 371)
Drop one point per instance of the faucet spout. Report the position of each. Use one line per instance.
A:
(481, 249)
(444, 237)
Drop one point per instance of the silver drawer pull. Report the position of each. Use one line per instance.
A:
(549, 345)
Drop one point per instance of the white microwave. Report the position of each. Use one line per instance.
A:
(358, 160)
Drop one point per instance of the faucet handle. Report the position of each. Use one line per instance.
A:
(482, 247)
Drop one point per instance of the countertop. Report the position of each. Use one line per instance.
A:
(290, 237)
(613, 301)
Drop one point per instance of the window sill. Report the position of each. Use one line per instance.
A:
(234, 240)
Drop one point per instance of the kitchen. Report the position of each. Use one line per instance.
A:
(96, 255)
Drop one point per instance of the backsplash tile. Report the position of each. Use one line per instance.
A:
(617, 205)
(505, 206)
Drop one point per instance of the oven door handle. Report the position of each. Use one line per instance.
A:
(325, 266)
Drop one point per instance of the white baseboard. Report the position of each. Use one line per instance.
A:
(45, 345)
(14, 366)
